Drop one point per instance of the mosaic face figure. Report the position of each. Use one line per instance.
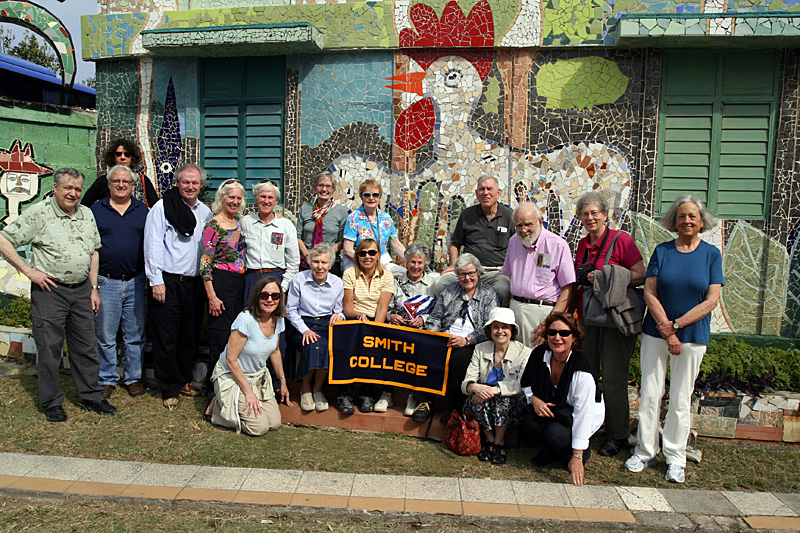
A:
(19, 178)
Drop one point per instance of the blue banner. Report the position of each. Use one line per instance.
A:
(370, 352)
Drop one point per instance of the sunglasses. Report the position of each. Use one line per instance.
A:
(364, 253)
(275, 296)
(563, 332)
(121, 154)
(366, 195)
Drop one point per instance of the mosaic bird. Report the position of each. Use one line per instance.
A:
(447, 93)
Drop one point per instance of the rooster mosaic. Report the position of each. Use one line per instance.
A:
(455, 58)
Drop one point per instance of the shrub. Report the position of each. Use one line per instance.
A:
(17, 313)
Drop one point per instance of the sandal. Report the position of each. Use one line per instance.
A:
(500, 455)
(487, 452)
(209, 409)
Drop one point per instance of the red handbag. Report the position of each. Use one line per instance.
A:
(462, 436)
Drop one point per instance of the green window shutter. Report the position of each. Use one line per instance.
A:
(243, 107)
(716, 130)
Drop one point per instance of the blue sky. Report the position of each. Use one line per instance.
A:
(69, 12)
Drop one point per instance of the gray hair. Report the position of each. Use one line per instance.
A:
(268, 186)
(589, 198)
(526, 205)
(66, 173)
(466, 259)
(222, 192)
(322, 249)
(484, 178)
(325, 175)
(417, 249)
(121, 168)
(187, 166)
(670, 220)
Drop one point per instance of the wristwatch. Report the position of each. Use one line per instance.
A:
(676, 326)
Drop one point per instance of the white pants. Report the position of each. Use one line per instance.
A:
(683, 373)
(529, 316)
(491, 275)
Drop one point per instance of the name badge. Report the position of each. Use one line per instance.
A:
(502, 229)
(277, 239)
(543, 260)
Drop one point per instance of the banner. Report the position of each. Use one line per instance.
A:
(369, 352)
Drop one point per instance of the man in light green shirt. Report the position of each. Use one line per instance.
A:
(64, 297)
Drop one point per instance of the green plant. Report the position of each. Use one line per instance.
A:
(17, 313)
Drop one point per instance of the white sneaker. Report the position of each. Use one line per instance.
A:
(675, 474)
(384, 403)
(320, 401)
(307, 401)
(637, 464)
(411, 404)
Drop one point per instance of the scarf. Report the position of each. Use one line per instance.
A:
(318, 213)
(177, 213)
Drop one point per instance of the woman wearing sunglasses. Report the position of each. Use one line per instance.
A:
(370, 222)
(461, 310)
(565, 407)
(245, 398)
(126, 153)
(368, 289)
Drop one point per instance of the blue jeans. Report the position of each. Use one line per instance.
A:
(121, 302)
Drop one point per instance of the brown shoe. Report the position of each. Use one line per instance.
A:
(108, 390)
(187, 390)
(136, 389)
(171, 403)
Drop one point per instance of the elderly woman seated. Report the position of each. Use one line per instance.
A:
(493, 383)
(412, 300)
(565, 406)
(244, 397)
(313, 302)
(460, 310)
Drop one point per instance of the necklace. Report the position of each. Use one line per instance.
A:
(561, 362)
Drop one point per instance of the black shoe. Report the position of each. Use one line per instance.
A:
(345, 405)
(422, 412)
(55, 414)
(612, 447)
(367, 404)
(101, 408)
(544, 457)
(500, 455)
(445, 418)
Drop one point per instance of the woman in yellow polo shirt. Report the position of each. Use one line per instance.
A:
(368, 289)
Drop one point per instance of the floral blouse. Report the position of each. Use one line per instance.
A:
(358, 227)
(222, 249)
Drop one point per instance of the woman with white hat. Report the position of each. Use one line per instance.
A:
(493, 383)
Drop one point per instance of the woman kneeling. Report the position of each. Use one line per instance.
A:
(493, 383)
(245, 399)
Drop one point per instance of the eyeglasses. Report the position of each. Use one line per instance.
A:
(324, 186)
(593, 214)
(121, 182)
(274, 296)
(375, 195)
(122, 154)
(364, 253)
(465, 275)
(563, 332)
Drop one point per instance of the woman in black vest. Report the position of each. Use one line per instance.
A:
(565, 408)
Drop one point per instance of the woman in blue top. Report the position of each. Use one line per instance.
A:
(682, 287)
(370, 222)
(245, 399)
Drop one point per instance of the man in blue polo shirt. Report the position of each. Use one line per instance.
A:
(120, 219)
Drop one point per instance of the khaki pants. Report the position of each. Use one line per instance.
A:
(529, 316)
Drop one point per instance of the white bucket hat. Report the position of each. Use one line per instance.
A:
(504, 315)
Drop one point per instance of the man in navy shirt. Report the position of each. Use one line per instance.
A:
(121, 281)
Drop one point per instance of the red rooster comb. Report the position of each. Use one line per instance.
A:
(454, 30)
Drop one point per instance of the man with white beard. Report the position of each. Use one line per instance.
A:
(539, 264)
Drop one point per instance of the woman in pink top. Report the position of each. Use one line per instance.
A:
(608, 349)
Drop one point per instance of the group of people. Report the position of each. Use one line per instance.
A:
(507, 299)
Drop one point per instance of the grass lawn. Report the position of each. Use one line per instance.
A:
(143, 430)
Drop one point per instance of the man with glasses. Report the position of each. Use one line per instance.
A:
(172, 237)
(64, 240)
(120, 220)
(482, 230)
(539, 265)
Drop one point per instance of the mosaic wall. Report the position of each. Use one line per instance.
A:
(440, 93)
